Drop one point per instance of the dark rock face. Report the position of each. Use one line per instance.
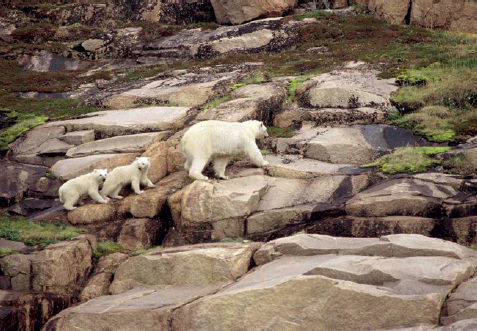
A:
(28, 311)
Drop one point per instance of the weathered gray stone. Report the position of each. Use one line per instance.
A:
(139, 233)
(139, 309)
(406, 196)
(461, 304)
(187, 265)
(123, 144)
(72, 168)
(241, 11)
(112, 123)
(76, 138)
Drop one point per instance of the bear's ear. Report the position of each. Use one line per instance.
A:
(149, 158)
(95, 170)
(137, 158)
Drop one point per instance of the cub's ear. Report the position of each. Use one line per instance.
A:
(95, 170)
(149, 158)
(137, 158)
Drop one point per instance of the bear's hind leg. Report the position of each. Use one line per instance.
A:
(70, 201)
(255, 155)
(115, 192)
(220, 163)
(196, 169)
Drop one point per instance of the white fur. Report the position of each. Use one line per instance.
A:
(134, 174)
(74, 189)
(220, 141)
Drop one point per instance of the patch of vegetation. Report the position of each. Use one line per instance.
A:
(24, 123)
(107, 247)
(35, 33)
(17, 228)
(314, 14)
(408, 160)
(7, 251)
(215, 102)
(439, 123)
(293, 85)
(154, 30)
(138, 252)
(256, 78)
(265, 152)
(275, 132)
(460, 165)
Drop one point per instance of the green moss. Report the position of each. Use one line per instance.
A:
(215, 102)
(107, 247)
(7, 251)
(25, 123)
(275, 132)
(18, 228)
(293, 85)
(138, 252)
(408, 160)
(236, 86)
(460, 165)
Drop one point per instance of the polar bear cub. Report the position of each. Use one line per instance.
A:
(220, 141)
(134, 174)
(74, 189)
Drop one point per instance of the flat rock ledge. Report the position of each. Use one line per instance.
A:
(392, 282)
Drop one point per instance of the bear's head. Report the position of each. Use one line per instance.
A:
(143, 162)
(101, 173)
(261, 130)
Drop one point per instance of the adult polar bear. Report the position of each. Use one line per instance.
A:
(220, 141)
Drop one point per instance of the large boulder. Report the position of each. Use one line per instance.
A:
(405, 196)
(445, 14)
(237, 12)
(111, 123)
(365, 287)
(186, 265)
(394, 11)
(60, 268)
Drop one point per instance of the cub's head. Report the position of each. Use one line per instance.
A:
(143, 162)
(259, 128)
(101, 173)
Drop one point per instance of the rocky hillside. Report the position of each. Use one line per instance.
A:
(364, 218)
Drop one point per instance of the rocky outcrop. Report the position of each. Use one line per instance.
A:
(238, 12)
(391, 282)
(187, 265)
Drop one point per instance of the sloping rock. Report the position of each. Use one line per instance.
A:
(76, 138)
(189, 90)
(298, 285)
(405, 196)
(111, 123)
(19, 180)
(341, 98)
(329, 116)
(72, 168)
(267, 35)
(123, 144)
(251, 102)
(350, 80)
(295, 166)
(39, 146)
(356, 144)
(397, 245)
(464, 325)
(370, 227)
(139, 309)
(241, 11)
(46, 61)
(186, 265)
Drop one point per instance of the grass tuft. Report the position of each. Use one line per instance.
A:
(17, 228)
(408, 160)
(7, 251)
(107, 247)
(275, 132)
(215, 102)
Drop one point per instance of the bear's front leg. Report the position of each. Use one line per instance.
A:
(135, 186)
(94, 194)
(147, 182)
(255, 156)
(220, 163)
